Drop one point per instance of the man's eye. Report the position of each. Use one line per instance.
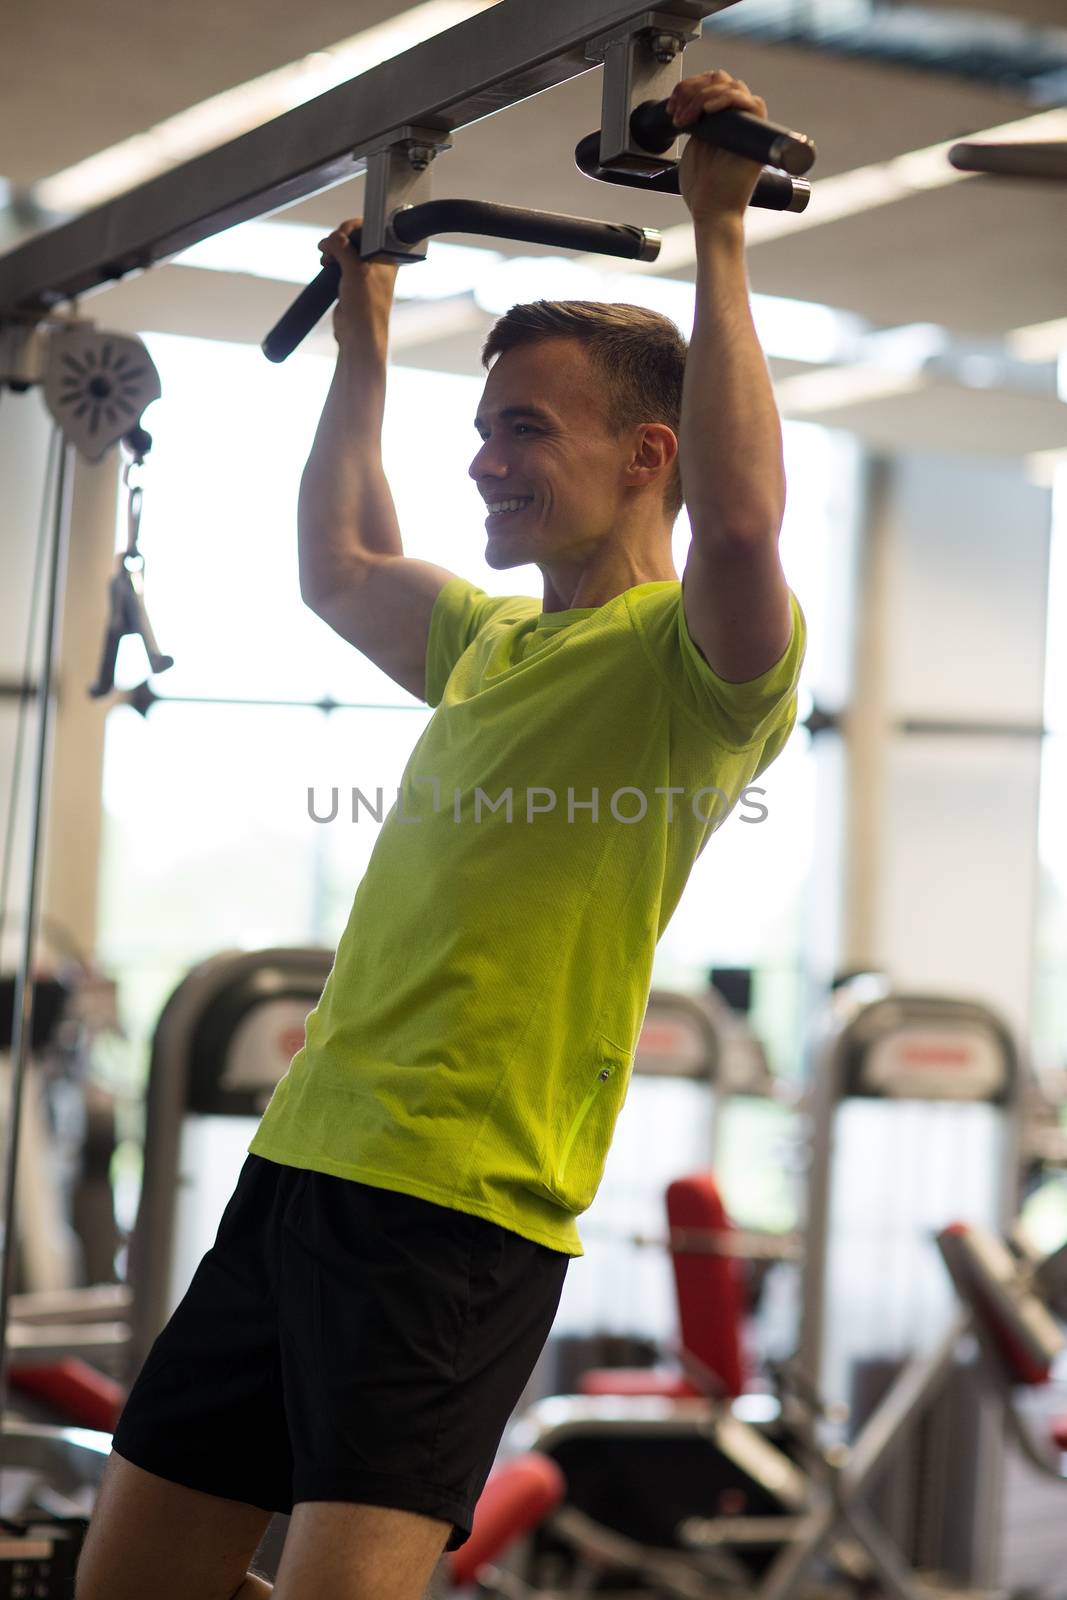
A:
(484, 436)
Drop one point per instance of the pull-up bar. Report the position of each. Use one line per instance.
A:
(496, 59)
(650, 131)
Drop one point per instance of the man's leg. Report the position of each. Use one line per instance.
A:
(150, 1539)
(337, 1551)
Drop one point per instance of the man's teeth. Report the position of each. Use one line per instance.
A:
(508, 505)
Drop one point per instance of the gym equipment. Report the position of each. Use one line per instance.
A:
(48, 1250)
(40, 1558)
(753, 1510)
(1017, 1339)
(57, 1326)
(1046, 160)
(463, 74)
(43, 1451)
(126, 608)
(915, 1111)
(1012, 1300)
(515, 1499)
(224, 1039)
(710, 1302)
(93, 434)
(664, 1489)
(68, 1235)
(636, 146)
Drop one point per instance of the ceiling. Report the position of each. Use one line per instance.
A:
(1043, 12)
(980, 257)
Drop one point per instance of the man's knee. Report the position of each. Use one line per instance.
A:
(360, 1552)
(148, 1536)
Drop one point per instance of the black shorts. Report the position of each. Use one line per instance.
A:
(343, 1342)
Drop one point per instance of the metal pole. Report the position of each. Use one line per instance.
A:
(22, 1015)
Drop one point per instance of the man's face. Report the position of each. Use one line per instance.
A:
(544, 440)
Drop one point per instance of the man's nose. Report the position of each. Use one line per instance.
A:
(485, 466)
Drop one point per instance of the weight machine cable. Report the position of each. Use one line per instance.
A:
(62, 468)
(54, 445)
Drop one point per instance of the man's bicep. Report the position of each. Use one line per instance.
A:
(383, 605)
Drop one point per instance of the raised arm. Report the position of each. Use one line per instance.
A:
(353, 571)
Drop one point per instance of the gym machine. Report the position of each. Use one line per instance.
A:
(223, 1042)
(915, 1116)
(667, 1493)
(68, 1314)
(68, 1234)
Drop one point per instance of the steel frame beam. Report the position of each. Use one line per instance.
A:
(496, 59)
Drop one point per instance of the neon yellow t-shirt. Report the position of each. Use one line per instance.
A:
(474, 1041)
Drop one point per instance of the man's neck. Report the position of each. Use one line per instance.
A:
(569, 592)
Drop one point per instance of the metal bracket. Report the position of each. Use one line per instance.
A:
(26, 346)
(398, 176)
(23, 354)
(642, 61)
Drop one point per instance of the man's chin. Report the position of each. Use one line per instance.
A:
(500, 555)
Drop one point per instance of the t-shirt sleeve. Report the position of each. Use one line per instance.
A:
(460, 612)
(737, 715)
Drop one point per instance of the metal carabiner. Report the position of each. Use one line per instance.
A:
(133, 511)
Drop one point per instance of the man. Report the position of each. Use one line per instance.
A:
(388, 1268)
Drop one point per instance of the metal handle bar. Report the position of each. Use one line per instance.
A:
(1046, 160)
(774, 191)
(743, 133)
(653, 129)
(414, 223)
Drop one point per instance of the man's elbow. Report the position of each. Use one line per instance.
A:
(735, 536)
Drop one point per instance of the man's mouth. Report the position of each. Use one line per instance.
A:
(507, 508)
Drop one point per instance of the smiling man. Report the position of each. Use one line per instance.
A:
(550, 439)
(390, 1264)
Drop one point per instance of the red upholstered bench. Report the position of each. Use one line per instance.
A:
(1019, 1336)
(515, 1499)
(1018, 1325)
(710, 1291)
(81, 1394)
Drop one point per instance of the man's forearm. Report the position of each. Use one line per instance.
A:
(730, 440)
(345, 507)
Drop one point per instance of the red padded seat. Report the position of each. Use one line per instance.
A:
(710, 1292)
(515, 1499)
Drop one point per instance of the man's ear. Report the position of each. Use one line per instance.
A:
(654, 451)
